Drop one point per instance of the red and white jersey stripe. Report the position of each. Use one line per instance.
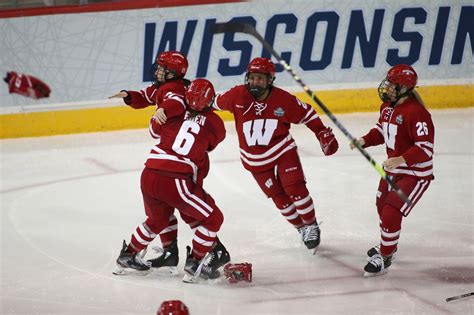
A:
(191, 199)
(172, 161)
(269, 156)
(415, 195)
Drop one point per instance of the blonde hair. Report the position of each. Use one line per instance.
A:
(417, 97)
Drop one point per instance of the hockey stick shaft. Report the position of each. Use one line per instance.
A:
(249, 29)
(457, 297)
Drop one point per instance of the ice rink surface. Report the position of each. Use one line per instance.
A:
(67, 202)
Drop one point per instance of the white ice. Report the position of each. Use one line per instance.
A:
(67, 202)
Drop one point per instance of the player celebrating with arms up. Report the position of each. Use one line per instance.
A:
(263, 115)
(406, 128)
(169, 181)
(167, 93)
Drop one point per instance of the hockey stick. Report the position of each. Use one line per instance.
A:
(457, 297)
(249, 29)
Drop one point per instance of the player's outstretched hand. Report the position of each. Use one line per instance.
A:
(360, 141)
(328, 141)
(121, 94)
(160, 116)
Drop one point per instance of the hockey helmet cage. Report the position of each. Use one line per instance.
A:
(263, 66)
(400, 81)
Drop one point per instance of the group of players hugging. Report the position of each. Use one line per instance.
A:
(187, 129)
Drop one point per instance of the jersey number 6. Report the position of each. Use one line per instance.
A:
(185, 137)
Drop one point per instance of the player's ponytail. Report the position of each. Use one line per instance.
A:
(417, 96)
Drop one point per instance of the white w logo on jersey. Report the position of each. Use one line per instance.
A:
(259, 131)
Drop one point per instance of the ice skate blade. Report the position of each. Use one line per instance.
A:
(165, 271)
(374, 274)
(192, 279)
(121, 271)
(314, 250)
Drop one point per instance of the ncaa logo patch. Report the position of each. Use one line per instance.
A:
(399, 119)
(279, 112)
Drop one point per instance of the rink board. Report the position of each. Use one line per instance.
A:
(46, 123)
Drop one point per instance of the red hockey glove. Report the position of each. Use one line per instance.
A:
(238, 272)
(328, 141)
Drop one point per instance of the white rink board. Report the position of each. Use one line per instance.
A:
(89, 56)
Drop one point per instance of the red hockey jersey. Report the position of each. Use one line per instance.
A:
(27, 85)
(169, 96)
(263, 127)
(407, 130)
(184, 144)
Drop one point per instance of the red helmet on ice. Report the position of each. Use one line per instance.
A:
(403, 75)
(200, 94)
(399, 82)
(173, 62)
(262, 66)
(174, 307)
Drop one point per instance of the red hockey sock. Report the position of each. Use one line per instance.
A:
(141, 238)
(202, 242)
(170, 233)
(287, 209)
(391, 228)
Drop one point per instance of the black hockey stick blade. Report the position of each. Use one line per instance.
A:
(231, 27)
(457, 297)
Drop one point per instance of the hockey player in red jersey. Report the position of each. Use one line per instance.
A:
(406, 128)
(169, 181)
(263, 115)
(167, 93)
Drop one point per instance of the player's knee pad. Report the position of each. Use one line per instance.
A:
(391, 218)
(281, 200)
(297, 191)
(214, 221)
(189, 220)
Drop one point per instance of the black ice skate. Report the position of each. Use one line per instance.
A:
(376, 250)
(196, 270)
(219, 256)
(373, 251)
(168, 260)
(130, 264)
(312, 237)
(302, 231)
(377, 265)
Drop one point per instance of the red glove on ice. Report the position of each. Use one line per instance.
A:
(328, 141)
(238, 272)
